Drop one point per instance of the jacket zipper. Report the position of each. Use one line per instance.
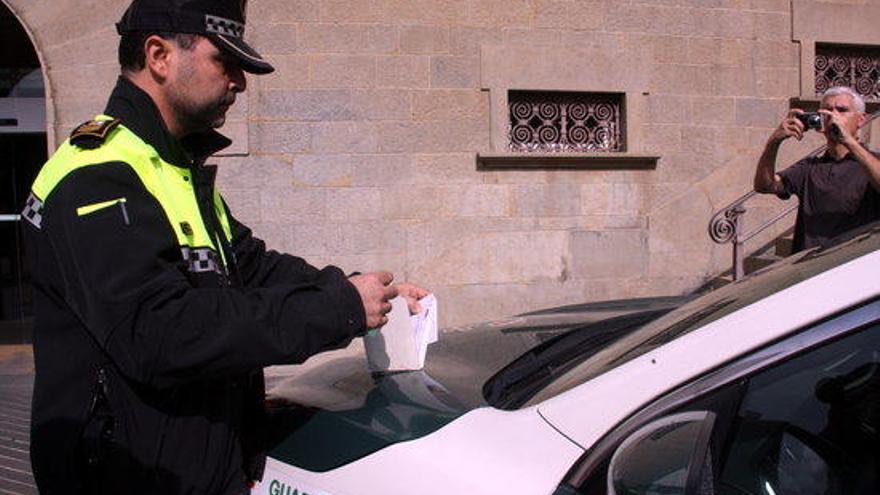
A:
(124, 212)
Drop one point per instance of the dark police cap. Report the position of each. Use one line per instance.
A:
(221, 21)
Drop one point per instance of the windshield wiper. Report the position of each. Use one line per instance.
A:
(517, 382)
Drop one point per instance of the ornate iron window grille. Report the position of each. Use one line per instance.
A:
(544, 121)
(855, 66)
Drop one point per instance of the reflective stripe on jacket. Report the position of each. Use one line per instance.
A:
(171, 186)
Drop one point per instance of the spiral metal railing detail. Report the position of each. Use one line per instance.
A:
(726, 226)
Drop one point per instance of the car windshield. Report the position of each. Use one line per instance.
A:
(711, 307)
(517, 382)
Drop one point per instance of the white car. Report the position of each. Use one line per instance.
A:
(770, 385)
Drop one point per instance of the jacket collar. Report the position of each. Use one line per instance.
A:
(139, 114)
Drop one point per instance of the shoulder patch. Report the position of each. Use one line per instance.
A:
(92, 134)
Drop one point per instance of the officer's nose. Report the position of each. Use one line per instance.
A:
(237, 79)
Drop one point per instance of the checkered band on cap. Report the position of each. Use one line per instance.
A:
(220, 25)
(33, 211)
(202, 260)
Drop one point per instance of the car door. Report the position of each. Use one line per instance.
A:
(799, 417)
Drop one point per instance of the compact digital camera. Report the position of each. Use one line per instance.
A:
(811, 120)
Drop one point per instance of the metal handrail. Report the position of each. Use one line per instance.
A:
(768, 223)
(726, 224)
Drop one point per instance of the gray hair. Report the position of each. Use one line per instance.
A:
(846, 90)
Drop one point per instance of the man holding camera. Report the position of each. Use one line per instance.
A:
(839, 189)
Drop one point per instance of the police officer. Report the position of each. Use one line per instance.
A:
(156, 309)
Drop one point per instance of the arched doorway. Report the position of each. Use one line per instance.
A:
(23, 149)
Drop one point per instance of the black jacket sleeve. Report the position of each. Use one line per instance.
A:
(260, 267)
(122, 274)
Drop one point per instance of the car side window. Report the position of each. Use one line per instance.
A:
(683, 440)
(810, 425)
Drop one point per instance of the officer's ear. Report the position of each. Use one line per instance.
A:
(158, 56)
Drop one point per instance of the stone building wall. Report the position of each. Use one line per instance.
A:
(361, 150)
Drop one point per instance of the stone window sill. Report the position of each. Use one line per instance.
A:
(581, 161)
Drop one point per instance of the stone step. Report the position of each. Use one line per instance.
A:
(783, 245)
(755, 263)
(751, 264)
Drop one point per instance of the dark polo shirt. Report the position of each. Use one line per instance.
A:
(835, 196)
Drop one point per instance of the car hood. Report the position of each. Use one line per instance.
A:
(340, 404)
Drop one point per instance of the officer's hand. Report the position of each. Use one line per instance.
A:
(412, 293)
(790, 126)
(375, 290)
